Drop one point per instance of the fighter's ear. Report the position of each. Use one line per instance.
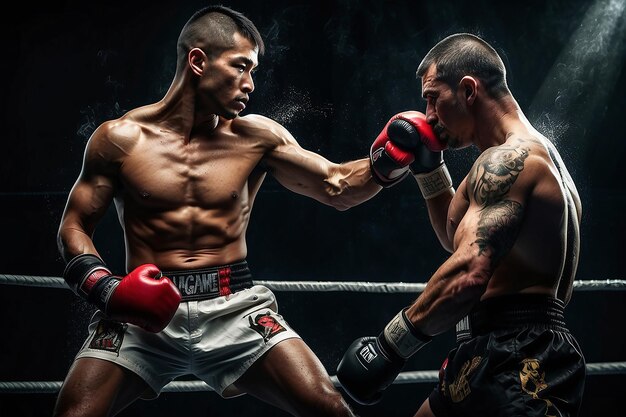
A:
(197, 59)
(469, 86)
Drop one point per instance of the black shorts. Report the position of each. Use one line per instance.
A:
(520, 360)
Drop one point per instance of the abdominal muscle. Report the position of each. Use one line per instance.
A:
(185, 238)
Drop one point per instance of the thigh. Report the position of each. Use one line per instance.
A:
(291, 377)
(95, 387)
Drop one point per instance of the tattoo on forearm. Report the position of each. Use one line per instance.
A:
(495, 172)
(498, 226)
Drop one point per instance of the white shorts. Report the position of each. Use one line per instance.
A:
(216, 340)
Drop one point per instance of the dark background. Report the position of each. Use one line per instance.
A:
(333, 74)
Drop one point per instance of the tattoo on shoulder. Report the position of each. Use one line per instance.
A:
(495, 171)
(498, 226)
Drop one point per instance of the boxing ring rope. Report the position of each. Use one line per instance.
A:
(319, 286)
(408, 377)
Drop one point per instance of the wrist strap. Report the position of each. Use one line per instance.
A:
(386, 184)
(102, 291)
(434, 182)
(83, 272)
(403, 337)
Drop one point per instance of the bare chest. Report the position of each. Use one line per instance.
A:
(169, 173)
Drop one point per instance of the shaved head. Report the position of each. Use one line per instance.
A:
(212, 29)
(465, 54)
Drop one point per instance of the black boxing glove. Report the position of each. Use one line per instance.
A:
(392, 153)
(428, 167)
(371, 364)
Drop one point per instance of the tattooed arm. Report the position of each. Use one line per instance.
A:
(497, 188)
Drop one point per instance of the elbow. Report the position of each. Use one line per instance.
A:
(345, 186)
(342, 199)
(473, 286)
(473, 283)
(72, 240)
(61, 237)
(337, 195)
(62, 245)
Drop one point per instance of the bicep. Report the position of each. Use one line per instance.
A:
(87, 202)
(297, 168)
(498, 188)
(94, 189)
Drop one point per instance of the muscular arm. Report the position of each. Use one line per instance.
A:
(88, 200)
(497, 195)
(438, 208)
(338, 185)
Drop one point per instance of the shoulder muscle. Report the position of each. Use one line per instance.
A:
(108, 145)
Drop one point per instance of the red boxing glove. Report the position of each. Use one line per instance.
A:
(407, 140)
(390, 159)
(144, 297)
(428, 168)
(419, 126)
(427, 150)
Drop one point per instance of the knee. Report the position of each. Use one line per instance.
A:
(338, 406)
(330, 403)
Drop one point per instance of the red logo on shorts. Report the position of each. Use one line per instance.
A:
(266, 325)
(108, 336)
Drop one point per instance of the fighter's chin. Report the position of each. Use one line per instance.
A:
(230, 114)
(457, 143)
(454, 143)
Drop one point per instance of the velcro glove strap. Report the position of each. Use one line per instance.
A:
(403, 337)
(435, 182)
(90, 278)
(389, 182)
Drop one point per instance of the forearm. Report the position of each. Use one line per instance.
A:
(371, 364)
(350, 184)
(78, 223)
(438, 214)
(435, 185)
(86, 205)
(449, 295)
(73, 241)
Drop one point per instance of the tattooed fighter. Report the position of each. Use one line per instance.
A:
(512, 227)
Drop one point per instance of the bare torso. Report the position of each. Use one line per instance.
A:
(185, 203)
(184, 188)
(544, 256)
